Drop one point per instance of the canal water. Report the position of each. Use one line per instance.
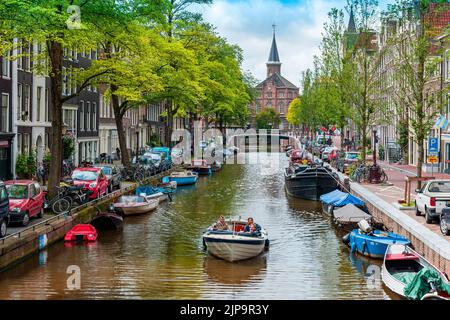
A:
(161, 256)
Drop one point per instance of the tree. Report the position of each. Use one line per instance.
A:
(416, 64)
(47, 22)
(363, 82)
(268, 118)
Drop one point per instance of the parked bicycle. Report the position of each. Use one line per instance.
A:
(59, 204)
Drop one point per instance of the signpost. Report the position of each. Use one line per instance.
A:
(433, 152)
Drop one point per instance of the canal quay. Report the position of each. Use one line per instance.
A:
(161, 255)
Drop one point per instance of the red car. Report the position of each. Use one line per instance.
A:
(91, 179)
(26, 200)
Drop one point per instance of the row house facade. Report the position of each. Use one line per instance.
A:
(389, 133)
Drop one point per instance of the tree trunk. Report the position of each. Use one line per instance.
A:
(56, 60)
(118, 115)
(169, 124)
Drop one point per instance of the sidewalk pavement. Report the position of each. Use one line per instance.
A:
(395, 192)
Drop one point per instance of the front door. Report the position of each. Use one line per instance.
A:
(5, 163)
(447, 158)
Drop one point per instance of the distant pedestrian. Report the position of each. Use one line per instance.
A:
(118, 153)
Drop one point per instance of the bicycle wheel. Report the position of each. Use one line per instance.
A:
(384, 176)
(61, 206)
(138, 176)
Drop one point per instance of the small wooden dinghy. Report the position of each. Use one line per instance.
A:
(234, 244)
(133, 205)
(184, 178)
(411, 276)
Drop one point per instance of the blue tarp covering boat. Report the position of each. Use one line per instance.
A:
(339, 199)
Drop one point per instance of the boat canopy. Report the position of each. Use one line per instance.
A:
(350, 213)
(338, 198)
(418, 284)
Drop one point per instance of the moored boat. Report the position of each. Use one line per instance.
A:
(338, 199)
(216, 166)
(348, 217)
(201, 167)
(234, 244)
(81, 232)
(310, 181)
(411, 276)
(373, 243)
(162, 194)
(184, 178)
(104, 221)
(133, 205)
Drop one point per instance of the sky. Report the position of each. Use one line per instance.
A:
(248, 23)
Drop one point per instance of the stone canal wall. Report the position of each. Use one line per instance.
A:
(38, 237)
(432, 246)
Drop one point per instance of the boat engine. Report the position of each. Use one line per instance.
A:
(364, 226)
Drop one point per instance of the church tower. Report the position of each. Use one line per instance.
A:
(273, 64)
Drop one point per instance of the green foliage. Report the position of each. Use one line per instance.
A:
(26, 165)
(268, 118)
(68, 146)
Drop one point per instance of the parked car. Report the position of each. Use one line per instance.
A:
(26, 200)
(349, 158)
(4, 210)
(112, 175)
(432, 198)
(445, 221)
(92, 179)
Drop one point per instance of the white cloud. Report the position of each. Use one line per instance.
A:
(248, 23)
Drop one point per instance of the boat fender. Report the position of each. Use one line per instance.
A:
(346, 238)
(170, 197)
(204, 243)
(266, 243)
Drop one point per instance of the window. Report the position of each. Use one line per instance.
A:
(19, 143)
(94, 116)
(5, 67)
(32, 191)
(19, 53)
(26, 58)
(47, 98)
(88, 116)
(26, 143)
(26, 94)
(19, 100)
(38, 104)
(64, 81)
(5, 111)
(81, 115)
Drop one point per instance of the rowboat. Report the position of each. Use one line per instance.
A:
(234, 244)
(374, 243)
(162, 194)
(348, 217)
(411, 276)
(132, 205)
(107, 220)
(184, 178)
(201, 167)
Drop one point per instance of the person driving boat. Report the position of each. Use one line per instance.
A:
(251, 226)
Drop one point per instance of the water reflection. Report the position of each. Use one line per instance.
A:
(241, 272)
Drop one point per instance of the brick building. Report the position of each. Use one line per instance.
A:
(276, 91)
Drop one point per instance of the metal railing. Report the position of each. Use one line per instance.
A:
(72, 211)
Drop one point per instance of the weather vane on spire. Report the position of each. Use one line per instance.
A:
(274, 26)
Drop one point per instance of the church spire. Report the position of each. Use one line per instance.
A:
(351, 23)
(273, 56)
(273, 64)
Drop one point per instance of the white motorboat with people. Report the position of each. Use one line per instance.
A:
(235, 240)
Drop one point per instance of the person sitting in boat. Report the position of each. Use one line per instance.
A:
(221, 224)
(252, 227)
